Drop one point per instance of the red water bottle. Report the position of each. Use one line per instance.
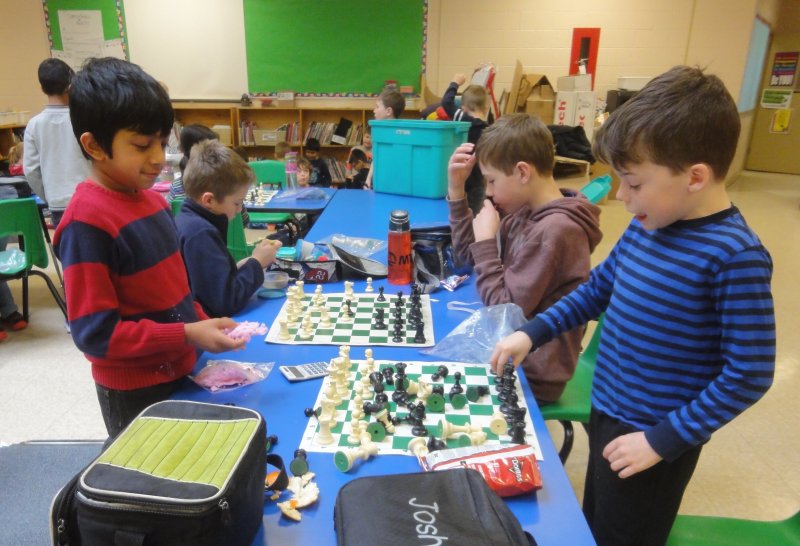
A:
(401, 266)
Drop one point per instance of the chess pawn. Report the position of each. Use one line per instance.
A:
(424, 390)
(472, 438)
(354, 438)
(369, 287)
(383, 417)
(325, 318)
(417, 446)
(284, 334)
(445, 429)
(345, 458)
(413, 387)
(324, 436)
(498, 424)
(358, 411)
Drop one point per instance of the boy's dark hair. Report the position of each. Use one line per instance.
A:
(191, 135)
(357, 155)
(514, 138)
(215, 168)
(108, 95)
(312, 144)
(55, 76)
(680, 118)
(394, 100)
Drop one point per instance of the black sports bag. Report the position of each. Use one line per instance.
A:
(433, 508)
(182, 472)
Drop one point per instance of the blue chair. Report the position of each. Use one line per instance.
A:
(597, 188)
(20, 217)
(575, 404)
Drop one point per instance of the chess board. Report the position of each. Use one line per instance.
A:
(476, 413)
(359, 331)
(260, 196)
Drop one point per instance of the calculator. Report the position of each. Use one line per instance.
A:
(301, 372)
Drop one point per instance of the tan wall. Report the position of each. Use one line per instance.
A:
(23, 43)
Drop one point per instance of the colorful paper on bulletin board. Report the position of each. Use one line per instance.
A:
(780, 121)
(776, 98)
(333, 47)
(112, 14)
(783, 68)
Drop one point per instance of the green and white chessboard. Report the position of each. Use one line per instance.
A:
(359, 331)
(475, 413)
(258, 196)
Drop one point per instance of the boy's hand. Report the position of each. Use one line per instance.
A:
(487, 222)
(459, 79)
(630, 454)
(210, 335)
(516, 347)
(458, 169)
(265, 252)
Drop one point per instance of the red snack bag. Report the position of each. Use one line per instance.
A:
(509, 470)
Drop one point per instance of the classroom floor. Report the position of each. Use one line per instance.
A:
(748, 470)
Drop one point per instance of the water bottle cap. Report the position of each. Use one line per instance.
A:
(398, 220)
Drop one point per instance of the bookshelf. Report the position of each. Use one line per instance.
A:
(259, 128)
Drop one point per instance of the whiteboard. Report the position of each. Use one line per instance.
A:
(195, 47)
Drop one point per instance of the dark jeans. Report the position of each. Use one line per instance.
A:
(638, 510)
(55, 217)
(119, 408)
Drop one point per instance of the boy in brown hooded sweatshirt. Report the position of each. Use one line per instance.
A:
(539, 251)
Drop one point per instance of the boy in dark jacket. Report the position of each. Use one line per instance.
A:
(216, 180)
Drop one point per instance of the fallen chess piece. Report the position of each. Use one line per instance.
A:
(304, 493)
(344, 459)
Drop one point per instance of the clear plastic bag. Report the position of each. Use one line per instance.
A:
(474, 339)
(11, 260)
(227, 375)
(358, 246)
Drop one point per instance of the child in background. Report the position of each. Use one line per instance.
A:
(15, 160)
(320, 175)
(358, 159)
(688, 340)
(190, 135)
(303, 172)
(541, 248)
(366, 147)
(216, 181)
(53, 162)
(474, 109)
(390, 105)
(10, 317)
(280, 150)
(130, 307)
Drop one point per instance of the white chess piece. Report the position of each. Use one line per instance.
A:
(498, 424)
(369, 285)
(324, 436)
(284, 333)
(352, 455)
(418, 447)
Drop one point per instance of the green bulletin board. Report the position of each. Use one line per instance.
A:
(112, 14)
(333, 47)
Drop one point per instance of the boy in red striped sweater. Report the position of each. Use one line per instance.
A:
(131, 311)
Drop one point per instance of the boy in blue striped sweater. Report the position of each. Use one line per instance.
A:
(688, 341)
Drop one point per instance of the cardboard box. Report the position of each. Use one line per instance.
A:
(531, 93)
(632, 83)
(578, 82)
(576, 108)
(564, 113)
(224, 132)
(585, 112)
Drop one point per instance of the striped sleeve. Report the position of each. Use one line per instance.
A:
(747, 349)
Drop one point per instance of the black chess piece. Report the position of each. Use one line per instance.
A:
(441, 373)
(457, 388)
(517, 432)
(398, 332)
(419, 333)
(299, 464)
(400, 398)
(381, 397)
(435, 444)
(311, 411)
(380, 297)
(438, 389)
(419, 429)
(475, 392)
(380, 318)
(376, 378)
(348, 310)
(388, 374)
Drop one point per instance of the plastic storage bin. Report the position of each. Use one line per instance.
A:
(410, 156)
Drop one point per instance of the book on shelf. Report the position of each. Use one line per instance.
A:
(339, 135)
